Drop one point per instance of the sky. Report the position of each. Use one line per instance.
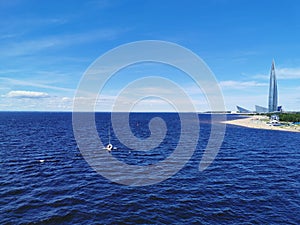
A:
(46, 47)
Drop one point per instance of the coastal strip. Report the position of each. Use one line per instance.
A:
(260, 122)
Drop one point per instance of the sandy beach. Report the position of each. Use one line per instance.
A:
(260, 122)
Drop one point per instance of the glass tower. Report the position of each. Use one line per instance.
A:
(273, 90)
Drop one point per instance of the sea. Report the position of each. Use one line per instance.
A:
(44, 178)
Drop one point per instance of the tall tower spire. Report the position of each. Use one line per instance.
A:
(273, 96)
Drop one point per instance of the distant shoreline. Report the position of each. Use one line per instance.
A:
(259, 122)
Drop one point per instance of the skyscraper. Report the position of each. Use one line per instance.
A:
(273, 98)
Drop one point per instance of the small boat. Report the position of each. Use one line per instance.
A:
(274, 121)
(109, 147)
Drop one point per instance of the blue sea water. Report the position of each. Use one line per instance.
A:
(255, 178)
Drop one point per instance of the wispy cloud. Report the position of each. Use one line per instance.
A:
(31, 46)
(8, 36)
(26, 94)
(101, 4)
(16, 82)
(9, 71)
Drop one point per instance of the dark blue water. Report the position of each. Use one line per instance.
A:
(255, 178)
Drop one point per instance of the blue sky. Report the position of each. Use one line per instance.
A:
(46, 46)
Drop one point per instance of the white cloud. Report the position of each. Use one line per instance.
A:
(26, 94)
(66, 99)
(241, 84)
(288, 73)
(50, 103)
(281, 74)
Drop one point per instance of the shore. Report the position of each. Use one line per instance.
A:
(260, 122)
